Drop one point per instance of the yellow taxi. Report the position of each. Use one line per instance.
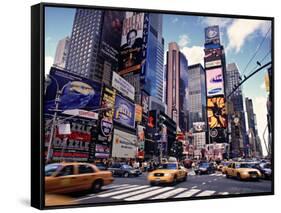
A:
(71, 177)
(223, 166)
(242, 171)
(168, 173)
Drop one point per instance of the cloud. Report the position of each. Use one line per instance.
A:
(242, 29)
(262, 86)
(259, 104)
(49, 38)
(175, 20)
(183, 40)
(210, 21)
(49, 60)
(194, 54)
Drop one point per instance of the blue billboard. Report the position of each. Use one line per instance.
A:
(124, 112)
(74, 92)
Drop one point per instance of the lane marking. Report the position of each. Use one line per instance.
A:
(148, 194)
(188, 193)
(169, 194)
(115, 186)
(203, 183)
(223, 193)
(122, 191)
(134, 193)
(206, 193)
(193, 187)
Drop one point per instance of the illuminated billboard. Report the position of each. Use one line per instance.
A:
(216, 109)
(124, 112)
(212, 35)
(131, 54)
(214, 81)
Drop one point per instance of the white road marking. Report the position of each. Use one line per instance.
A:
(193, 187)
(206, 193)
(134, 193)
(188, 193)
(149, 194)
(114, 186)
(121, 191)
(203, 183)
(223, 193)
(169, 193)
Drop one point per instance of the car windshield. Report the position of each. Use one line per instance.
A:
(51, 168)
(168, 166)
(127, 167)
(245, 165)
(203, 165)
(267, 166)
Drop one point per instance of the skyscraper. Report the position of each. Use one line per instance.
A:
(252, 127)
(61, 52)
(196, 94)
(94, 44)
(236, 116)
(173, 81)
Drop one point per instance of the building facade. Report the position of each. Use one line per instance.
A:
(196, 94)
(62, 52)
(236, 116)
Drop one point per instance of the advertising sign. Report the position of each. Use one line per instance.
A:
(124, 112)
(111, 34)
(76, 92)
(102, 151)
(210, 64)
(216, 109)
(212, 35)
(199, 126)
(82, 113)
(123, 86)
(138, 113)
(73, 147)
(212, 54)
(145, 103)
(124, 145)
(214, 79)
(131, 54)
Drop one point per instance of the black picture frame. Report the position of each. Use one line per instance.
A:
(37, 103)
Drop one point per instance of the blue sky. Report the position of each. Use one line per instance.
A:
(239, 37)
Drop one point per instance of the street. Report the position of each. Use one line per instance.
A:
(138, 188)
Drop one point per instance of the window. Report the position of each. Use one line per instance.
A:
(67, 170)
(84, 169)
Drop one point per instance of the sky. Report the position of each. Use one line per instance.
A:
(240, 38)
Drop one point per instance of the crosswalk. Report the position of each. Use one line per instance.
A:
(129, 192)
(214, 174)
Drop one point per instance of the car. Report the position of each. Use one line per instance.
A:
(242, 171)
(265, 170)
(222, 167)
(72, 177)
(102, 166)
(124, 170)
(205, 168)
(168, 173)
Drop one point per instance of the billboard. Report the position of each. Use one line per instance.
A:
(138, 112)
(123, 86)
(111, 34)
(216, 110)
(102, 151)
(210, 64)
(124, 112)
(75, 92)
(214, 79)
(73, 147)
(131, 55)
(212, 54)
(124, 145)
(212, 35)
(199, 126)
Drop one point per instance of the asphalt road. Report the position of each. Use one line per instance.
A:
(138, 188)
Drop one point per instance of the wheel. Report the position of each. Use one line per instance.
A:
(238, 176)
(126, 174)
(227, 175)
(96, 186)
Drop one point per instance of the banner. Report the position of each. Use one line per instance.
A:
(123, 86)
(131, 54)
(214, 79)
(138, 112)
(76, 92)
(124, 112)
(211, 64)
(124, 145)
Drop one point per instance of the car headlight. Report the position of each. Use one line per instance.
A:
(168, 174)
(150, 174)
